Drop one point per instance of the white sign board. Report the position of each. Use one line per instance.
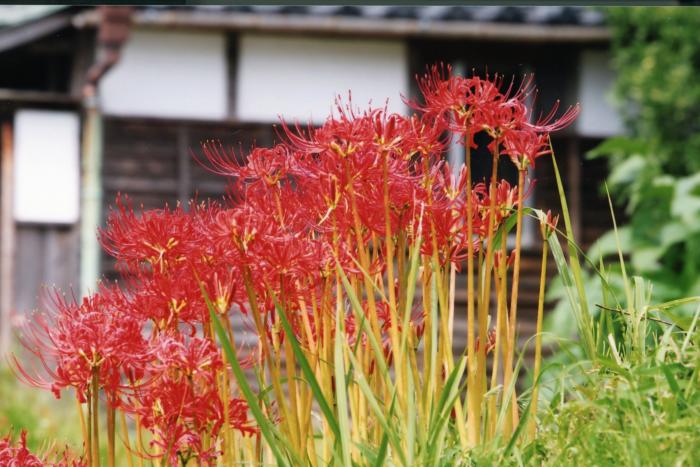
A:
(46, 167)
(169, 74)
(299, 77)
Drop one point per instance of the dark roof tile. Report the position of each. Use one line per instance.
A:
(456, 13)
(566, 15)
(406, 12)
(349, 10)
(294, 10)
(554, 15)
(510, 14)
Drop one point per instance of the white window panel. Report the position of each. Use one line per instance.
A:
(169, 74)
(299, 77)
(46, 166)
(598, 117)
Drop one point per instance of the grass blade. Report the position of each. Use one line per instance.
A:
(584, 318)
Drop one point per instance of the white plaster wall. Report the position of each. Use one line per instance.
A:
(299, 77)
(598, 117)
(169, 74)
(46, 166)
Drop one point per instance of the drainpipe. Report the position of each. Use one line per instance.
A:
(456, 153)
(113, 30)
(91, 198)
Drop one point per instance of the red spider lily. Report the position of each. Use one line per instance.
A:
(506, 200)
(17, 455)
(505, 203)
(285, 258)
(443, 214)
(238, 417)
(549, 226)
(525, 146)
(490, 342)
(442, 92)
(181, 402)
(174, 298)
(195, 359)
(472, 105)
(498, 259)
(263, 165)
(425, 136)
(94, 338)
(159, 237)
(341, 135)
(501, 116)
(238, 230)
(548, 123)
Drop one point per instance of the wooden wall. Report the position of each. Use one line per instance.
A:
(46, 257)
(152, 162)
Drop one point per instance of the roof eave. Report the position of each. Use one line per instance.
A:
(353, 26)
(21, 34)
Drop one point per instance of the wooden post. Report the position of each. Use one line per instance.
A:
(7, 239)
(184, 172)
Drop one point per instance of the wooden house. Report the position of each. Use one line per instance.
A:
(96, 101)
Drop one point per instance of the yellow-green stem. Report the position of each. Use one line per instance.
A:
(429, 355)
(95, 387)
(125, 438)
(389, 261)
(483, 310)
(81, 415)
(290, 362)
(139, 440)
(501, 331)
(508, 375)
(275, 376)
(110, 434)
(538, 343)
(364, 257)
(87, 440)
(227, 434)
(472, 420)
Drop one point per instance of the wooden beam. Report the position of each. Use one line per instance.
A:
(359, 26)
(158, 187)
(37, 97)
(7, 237)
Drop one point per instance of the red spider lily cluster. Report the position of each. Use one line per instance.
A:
(345, 196)
(18, 455)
